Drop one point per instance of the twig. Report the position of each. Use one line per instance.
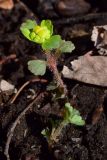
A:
(5, 59)
(24, 85)
(97, 115)
(80, 19)
(11, 131)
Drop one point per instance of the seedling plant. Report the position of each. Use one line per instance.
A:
(53, 46)
(70, 115)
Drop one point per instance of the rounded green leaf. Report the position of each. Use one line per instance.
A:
(76, 112)
(77, 120)
(25, 32)
(26, 28)
(72, 115)
(66, 46)
(37, 33)
(29, 24)
(48, 24)
(37, 67)
(52, 43)
(69, 109)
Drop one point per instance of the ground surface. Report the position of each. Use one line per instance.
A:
(76, 143)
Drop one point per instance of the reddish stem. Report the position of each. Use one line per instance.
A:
(52, 64)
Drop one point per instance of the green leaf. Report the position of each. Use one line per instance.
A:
(66, 46)
(37, 67)
(52, 43)
(29, 24)
(51, 87)
(69, 111)
(72, 115)
(76, 112)
(77, 120)
(25, 32)
(26, 27)
(46, 133)
(48, 24)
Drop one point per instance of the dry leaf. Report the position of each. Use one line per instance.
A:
(88, 69)
(99, 37)
(6, 4)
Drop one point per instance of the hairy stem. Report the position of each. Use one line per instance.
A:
(52, 64)
(56, 132)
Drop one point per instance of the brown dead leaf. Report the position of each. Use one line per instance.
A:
(6, 4)
(88, 69)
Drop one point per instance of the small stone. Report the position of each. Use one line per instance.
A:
(72, 7)
(6, 4)
(6, 86)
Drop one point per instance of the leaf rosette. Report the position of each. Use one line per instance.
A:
(43, 34)
(37, 33)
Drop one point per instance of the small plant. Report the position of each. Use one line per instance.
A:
(52, 46)
(71, 115)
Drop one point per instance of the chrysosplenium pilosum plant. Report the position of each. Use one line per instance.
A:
(52, 45)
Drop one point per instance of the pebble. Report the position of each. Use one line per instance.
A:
(6, 86)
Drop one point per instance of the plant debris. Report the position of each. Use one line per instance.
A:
(88, 69)
(99, 37)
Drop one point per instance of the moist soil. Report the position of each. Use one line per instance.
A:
(27, 143)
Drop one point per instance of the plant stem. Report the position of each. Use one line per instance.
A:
(52, 64)
(56, 132)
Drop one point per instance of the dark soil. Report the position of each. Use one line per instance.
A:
(76, 143)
